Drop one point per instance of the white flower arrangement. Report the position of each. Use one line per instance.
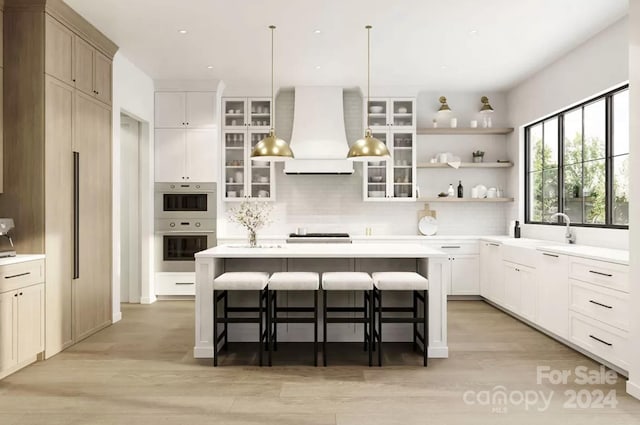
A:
(252, 216)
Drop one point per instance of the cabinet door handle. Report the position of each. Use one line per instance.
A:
(185, 283)
(550, 255)
(450, 246)
(600, 340)
(600, 304)
(17, 275)
(600, 273)
(76, 215)
(494, 244)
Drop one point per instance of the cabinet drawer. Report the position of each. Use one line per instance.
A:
(604, 341)
(603, 304)
(175, 283)
(456, 247)
(612, 275)
(14, 276)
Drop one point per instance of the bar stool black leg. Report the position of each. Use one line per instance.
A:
(415, 324)
(365, 297)
(275, 325)
(425, 332)
(379, 328)
(370, 313)
(225, 347)
(215, 328)
(324, 328)
(268, 342)
(260, 325)
(315, 328)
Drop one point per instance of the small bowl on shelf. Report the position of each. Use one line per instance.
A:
(376, 109)
(375, 179)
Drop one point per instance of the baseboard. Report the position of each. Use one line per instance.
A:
(203, 352)
(116, 317)
(633, 389)
(438, 352)
(148, 300)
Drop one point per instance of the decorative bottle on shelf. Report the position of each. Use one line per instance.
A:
(460, 189)
(516, 230)
(450, 192)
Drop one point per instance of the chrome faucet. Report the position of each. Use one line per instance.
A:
(569, 236)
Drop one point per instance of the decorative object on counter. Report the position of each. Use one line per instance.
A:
(473, 124)
(454, 122)
(478, 156)
(6, 225)
(442, 195)
(369, 147)
(486, 107)
(444, 107)
(451, 192)
(486, 122)
(271, 148)
(428, 226)
(252, 216)
(516, 230)
(460, 189)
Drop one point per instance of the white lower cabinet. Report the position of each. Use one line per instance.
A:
(491, 272)
(520, 290)
(609, 343)
(175, 284)
(465, 271)
(21, 315)
(553, 293)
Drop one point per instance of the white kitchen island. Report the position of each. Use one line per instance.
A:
(326, 257)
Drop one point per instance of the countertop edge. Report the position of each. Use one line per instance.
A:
(21, 258)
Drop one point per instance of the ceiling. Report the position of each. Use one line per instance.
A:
(434, 44)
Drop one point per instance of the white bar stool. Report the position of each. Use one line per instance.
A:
(292, 281)
(348, 281)
(239, 281)
(403, 281)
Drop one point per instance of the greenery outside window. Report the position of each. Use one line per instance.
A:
(577, 162)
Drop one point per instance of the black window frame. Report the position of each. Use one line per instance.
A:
(609, 198)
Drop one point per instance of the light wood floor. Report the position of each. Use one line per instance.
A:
(141, 371)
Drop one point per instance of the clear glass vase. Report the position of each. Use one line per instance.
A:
(253, 241)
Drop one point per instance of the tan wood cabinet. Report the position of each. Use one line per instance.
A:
(58, 94)
(75, 61)
(21, 315)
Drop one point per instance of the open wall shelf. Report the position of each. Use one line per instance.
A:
(467, 165)
(447, 199)
(475, 131)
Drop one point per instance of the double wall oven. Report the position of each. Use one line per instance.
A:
(185, 223)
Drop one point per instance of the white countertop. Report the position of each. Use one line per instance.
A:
(323, 250)
(20, 258)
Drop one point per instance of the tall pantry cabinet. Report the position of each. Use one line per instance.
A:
(57, 160)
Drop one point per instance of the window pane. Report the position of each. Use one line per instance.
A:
(621, 123)
(595, 131)
(549, 193)
(535, 148)
(551, 143)
(573, 192)
(621, 190)
(573, 137)
(535, 196)
(594, 192)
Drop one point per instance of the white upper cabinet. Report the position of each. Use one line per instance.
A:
(201, 160)
(170, 155)
(398, 113)
(185, 155)
(185, 110)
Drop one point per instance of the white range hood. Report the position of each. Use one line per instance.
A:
(318, 139)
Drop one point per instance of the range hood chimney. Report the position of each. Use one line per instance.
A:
(319, 139)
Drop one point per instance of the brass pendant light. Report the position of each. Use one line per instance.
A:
(369, 148)
(271, 148)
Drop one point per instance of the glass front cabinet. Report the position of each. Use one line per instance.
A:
(392, 121)
(246, 122)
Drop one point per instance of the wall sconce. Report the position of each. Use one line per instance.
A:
(486, 108)
(443, 105)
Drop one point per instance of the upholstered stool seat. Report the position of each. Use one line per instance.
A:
(349, 281)
(292, 281)
(402, 281)
(239, 281)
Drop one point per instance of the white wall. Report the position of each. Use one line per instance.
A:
(594, 67)
(633, 385)
(334, 203)
(133, 93)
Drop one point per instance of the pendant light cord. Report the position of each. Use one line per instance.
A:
(368, 27)
(273, 99)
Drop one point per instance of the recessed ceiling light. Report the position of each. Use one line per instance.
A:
(210, 67)
(443, 67)
(183, 31)
(317, 66)
(317, 32)
(473, 32)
